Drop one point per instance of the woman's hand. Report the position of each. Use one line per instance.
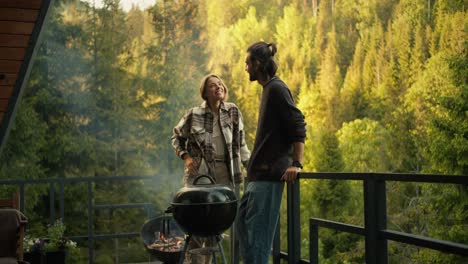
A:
(190, 164)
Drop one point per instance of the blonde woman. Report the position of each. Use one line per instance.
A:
(210, 139)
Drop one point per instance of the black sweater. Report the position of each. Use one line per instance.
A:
(280, 124)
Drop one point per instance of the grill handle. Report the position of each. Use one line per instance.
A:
(204, 176)
(169, 210)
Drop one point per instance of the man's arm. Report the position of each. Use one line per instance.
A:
(291, 172)
(298, 153)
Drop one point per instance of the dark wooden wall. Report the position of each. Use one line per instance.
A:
(17, 21)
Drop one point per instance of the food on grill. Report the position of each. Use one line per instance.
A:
(167, 244)
(163, 239)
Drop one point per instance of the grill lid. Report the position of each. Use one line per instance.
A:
(201, 193)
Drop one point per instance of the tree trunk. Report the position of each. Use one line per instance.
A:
(315, 7)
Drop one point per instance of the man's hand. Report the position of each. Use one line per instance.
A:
(290, 174)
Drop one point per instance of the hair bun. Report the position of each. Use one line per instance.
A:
(272, 49)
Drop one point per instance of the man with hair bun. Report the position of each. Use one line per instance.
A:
(276, 157)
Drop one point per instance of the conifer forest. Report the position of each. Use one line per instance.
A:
(382, 85)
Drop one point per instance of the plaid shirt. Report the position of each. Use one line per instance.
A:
(194, 134)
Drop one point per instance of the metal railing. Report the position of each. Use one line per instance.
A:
(374, 230)
(90, 236)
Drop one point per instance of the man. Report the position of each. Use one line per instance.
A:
(276, 156)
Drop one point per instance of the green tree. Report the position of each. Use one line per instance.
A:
(294, 41)
(329, 83)
(363, 145)
(335, 200)
(174, 58)
(352, 96)
(438, 100)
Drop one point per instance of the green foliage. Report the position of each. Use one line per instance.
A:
(53, 240)
(294, 37)
(438, 100)
(21, 157)
(382, 84)
(363, 146)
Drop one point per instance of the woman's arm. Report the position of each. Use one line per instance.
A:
(180, 137)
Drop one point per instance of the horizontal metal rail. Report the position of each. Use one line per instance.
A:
(354, 229)
(122, 206)
(421, 241)
(284, 255)
(375, 231)
(91, 237)
(76, 179)
(106, 236)
(400, 177)
(375, 217)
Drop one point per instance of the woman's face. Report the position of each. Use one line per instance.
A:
(214, 90)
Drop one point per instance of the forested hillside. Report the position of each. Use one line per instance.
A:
(382, 84)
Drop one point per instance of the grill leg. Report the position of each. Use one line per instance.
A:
(214, 257)
(182, 257)
(219, 238)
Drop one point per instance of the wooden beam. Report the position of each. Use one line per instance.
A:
(18, 14)
(8, 78)
(28, 4)
(32, 43)
(17, 28)
(6, 91)
(14, 41)
(10, 66)
(3, 105)
(12, 53)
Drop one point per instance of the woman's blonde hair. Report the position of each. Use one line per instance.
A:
(203, 86)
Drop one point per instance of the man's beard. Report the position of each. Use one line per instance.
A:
(252, 77)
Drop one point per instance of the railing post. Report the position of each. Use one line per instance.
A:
(314, 243)
(62, 199)
(22, 198)
(51, 202)
(90, 222)
(294, 223)
(375, 220)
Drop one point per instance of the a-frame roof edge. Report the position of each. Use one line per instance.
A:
(24, 72)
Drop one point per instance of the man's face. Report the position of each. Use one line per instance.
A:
(250, 69)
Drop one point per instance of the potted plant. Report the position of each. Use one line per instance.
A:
(50, 249)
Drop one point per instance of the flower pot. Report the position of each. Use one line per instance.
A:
(34, 257)
(55, 257)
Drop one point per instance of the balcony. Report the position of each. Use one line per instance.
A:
(374, 230)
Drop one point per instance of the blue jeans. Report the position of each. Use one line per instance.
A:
(258, 216)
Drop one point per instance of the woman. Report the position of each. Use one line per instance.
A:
(210, 140)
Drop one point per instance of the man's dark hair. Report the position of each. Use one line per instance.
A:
(263, 53)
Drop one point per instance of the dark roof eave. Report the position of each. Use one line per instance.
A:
(25, 69)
